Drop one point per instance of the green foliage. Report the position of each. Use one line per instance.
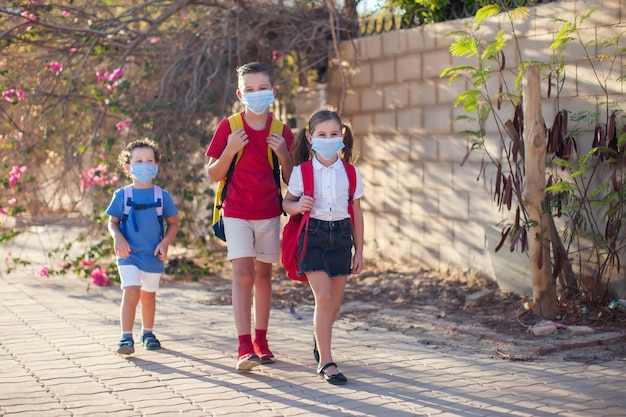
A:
(585, 190)
(96, 75)
(428, 11)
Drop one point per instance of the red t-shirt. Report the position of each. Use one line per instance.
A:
(252, 193)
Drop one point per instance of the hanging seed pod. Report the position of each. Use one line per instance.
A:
(496, 193)
(508, 192)
(564, 117)
(503, 236)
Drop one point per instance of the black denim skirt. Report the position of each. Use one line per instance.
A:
(329, 247)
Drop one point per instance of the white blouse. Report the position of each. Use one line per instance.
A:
(331, 190)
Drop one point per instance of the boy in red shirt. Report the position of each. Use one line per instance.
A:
(252, 207)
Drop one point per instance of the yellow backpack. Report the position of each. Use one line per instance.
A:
(236, 122)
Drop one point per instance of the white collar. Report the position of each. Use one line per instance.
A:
(335, 165)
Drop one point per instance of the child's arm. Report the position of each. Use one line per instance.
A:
(120, 244)
(357, 260)
(218, 168)
(294, 205)
(170, 234)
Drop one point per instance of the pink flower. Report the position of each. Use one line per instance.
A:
(117, 73)
(86, 262)
(66, 13)
(43, 271)
(276, 55)
(13, 96)
(13, 201)
(96, 176)
(3, 211)
(15, 174)
(66, 265)
(121, 124)
(54, 66)
(183, 16)
(99, 277)
(155, 39)
(28, 16)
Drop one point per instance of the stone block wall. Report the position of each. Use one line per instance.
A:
(421, 206)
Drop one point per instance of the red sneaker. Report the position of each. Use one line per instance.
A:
(263, 351)
(247, 361)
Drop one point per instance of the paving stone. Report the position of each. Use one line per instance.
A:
(57, 356)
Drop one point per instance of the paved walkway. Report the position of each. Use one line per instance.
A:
(57, 358)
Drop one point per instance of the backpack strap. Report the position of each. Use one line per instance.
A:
(127, 203)
(351, 171)
(309, 189)
(130, 206)
(276, 127)
(158, 201)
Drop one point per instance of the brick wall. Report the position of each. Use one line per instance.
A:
(421, 206)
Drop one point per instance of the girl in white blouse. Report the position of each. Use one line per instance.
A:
(334, 246)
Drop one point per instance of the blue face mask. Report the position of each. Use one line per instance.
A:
(258, 101)
(327, 148)
(144, 172)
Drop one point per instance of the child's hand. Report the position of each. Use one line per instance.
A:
(161, 251)
(122, 248)
(278, 144)
(305, 203)
(357, 264)
(237, 140)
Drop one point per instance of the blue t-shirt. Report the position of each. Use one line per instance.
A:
(144, 241)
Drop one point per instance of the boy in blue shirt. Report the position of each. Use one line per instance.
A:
(141, 241)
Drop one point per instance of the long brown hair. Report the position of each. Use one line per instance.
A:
(302, 148)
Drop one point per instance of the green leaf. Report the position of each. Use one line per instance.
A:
(456, 68)
(563, 163)
(519, 13)
(486, 12)
(469, 99)
(586, 15)
(561, 186)
(620, 140)
(492, 51)
(465, 46)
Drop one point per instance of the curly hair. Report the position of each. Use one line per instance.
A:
(124, 157)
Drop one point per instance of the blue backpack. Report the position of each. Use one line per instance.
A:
(158, 204)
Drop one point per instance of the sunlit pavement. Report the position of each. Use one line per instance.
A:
(57, 358)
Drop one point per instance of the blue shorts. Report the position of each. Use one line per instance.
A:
(329, 247)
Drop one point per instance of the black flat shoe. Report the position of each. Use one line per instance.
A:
(335, 379)
(316, 353)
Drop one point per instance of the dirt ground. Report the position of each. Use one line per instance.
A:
(431, 307)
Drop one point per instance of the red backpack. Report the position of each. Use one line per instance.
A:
(299, 222)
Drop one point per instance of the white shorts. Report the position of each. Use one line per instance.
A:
(131, 276)
(258, 239)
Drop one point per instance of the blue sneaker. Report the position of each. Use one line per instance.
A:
(126, 346)
(150, 342)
